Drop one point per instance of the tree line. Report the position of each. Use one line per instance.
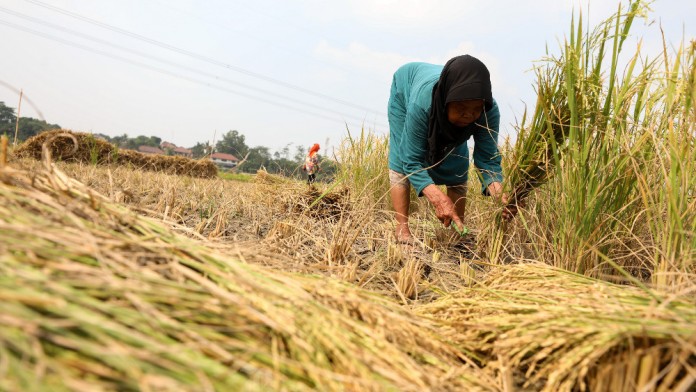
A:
(28, 126)
(286, 161)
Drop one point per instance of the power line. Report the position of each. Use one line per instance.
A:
(227, 27)
(161, 70)
(173, 64)
(198, 56)
(25, 97)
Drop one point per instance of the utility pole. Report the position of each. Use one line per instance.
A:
(19, 109)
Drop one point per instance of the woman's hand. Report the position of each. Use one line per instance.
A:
(495, 189)
(444, 208)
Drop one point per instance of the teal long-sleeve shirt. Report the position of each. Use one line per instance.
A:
(408, 112)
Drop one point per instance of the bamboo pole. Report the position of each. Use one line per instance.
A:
(19, 109)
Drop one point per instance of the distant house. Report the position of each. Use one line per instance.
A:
(224, 160)
(182, 152)
(150, 150)
(167, 145)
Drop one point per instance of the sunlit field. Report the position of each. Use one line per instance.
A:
(117, 278)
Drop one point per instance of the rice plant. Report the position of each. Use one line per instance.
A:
(620, 145)
(363, 167)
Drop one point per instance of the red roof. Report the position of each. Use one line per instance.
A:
(223, 156)
(167, 145)
(183, 150)
(150, 150)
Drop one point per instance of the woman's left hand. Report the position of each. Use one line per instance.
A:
(495, 189)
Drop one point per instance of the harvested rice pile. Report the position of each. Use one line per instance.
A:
(318, 203)
(95, 297)
(329, 204)
(83, 147)
(264, 177)
(569, 332)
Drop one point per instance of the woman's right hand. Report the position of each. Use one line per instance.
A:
(444, 208)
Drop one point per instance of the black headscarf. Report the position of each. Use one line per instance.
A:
(463, 78)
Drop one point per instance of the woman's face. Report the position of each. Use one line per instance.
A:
(463, 113)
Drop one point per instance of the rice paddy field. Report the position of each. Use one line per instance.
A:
(117, 278)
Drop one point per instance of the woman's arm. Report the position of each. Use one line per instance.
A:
(486, 154)
(414, 148)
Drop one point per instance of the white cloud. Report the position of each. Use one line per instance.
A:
(423, 15)
(392, 13)
(362, 57)
(383, 64)
(411, 12)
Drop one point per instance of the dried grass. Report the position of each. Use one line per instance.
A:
(568, 332)
(408, 277)
(71, 146)
(321, 230)
(330, 234)
(96, 297)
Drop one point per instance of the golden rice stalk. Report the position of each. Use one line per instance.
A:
(95, 297)
(568, 332)
(408, 277)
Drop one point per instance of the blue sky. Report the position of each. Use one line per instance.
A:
(279, 72)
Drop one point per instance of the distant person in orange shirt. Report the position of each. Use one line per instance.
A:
(311, 165)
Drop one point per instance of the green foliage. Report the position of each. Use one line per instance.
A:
(28, 126)
(233, 143)
(7, 114)
(281, 163)
(300, 153)
(200, 150)
(125, 142)
(259, 157)
(120, 140)
(152, 141)
(284, 167)
(329, 169)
